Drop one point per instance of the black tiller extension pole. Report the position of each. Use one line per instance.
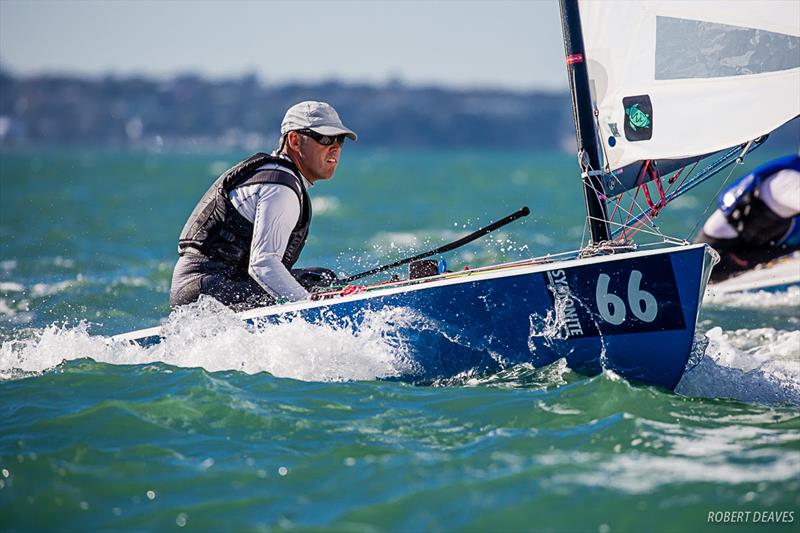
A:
(446, 248)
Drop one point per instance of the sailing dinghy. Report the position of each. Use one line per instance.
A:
(665, 94)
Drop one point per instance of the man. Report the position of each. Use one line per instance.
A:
(247, 231)
(758, 219)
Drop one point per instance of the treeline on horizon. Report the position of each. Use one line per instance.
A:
(190, 110)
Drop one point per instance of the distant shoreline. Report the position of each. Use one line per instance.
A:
(189, 112)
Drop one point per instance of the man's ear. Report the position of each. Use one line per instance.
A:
(293, 139)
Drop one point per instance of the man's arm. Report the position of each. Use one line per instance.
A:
(277, 212)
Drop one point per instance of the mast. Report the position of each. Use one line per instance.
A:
(583, 113)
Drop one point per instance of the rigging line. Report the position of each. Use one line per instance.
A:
(667, 238)
(702, 217)
(639, 221)
(680, 185)
(674, 178)
(702, 176)
(639, 227)
(659, 234)
(630, 209)
(620, 197)
(616, 206)
(618, 203)
(646, 216)
(645, 213)
(584, 167)
(712, 168)
(621, 225)
(686, 177)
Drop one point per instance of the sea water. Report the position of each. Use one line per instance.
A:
(300, 426)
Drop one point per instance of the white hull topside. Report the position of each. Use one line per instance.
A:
(780, 274)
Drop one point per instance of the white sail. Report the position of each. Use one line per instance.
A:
(673, 79)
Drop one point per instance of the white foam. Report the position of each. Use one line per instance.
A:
(396, 239)
(17, 311)
(38, 290)
(623, 472)
(325, 204)
(138, 282)
(210, 336)
(63, 262)
(5, 309)
(417, 241)
(48, 289)
(754, 365)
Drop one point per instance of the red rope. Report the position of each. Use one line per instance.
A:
(655, 208)
(630, 214)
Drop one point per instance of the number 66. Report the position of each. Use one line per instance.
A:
(643, 304)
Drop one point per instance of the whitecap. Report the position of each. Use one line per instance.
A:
(216, 168)
(49, 289)
(325, 204)
(623, 472)
(395, 240)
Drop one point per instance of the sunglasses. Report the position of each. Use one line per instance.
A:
(324, 140)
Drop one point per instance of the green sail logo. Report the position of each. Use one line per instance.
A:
(638, 117)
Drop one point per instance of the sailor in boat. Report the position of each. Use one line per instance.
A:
(758, 219)
(247, 231)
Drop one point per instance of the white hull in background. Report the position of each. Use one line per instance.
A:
(778, 275)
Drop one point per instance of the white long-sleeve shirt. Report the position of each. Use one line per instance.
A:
(274, 210)
(780, 192)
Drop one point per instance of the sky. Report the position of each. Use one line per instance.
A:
(505, 44)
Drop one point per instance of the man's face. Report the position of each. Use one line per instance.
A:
(319, 161)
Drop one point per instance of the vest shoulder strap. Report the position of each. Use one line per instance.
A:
(241, 172)
(277, 176)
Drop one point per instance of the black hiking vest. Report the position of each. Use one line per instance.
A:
(217, 230)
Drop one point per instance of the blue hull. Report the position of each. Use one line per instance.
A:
(632, 313)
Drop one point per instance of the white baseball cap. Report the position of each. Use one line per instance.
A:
(317, 116)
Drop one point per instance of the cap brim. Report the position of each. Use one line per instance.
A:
(334, 130)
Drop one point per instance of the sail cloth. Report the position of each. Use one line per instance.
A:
(676, 79)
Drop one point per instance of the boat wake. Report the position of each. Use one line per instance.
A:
(208, 335)
(752, 365)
